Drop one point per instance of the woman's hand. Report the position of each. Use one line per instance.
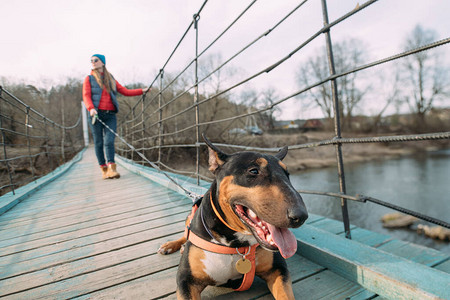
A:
(93, 112)
(145, 90)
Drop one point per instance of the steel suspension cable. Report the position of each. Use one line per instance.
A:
(36, 112)
(271, 67)
(360, 68)
(198, 56)
(266, 33)
(187, 192)
(364, 199)
(360, 198)
(181, 40)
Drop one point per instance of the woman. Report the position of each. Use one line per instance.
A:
(100, 98)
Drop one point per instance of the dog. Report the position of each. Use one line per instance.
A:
(239, 228)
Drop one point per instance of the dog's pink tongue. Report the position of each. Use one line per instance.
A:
(284, 239)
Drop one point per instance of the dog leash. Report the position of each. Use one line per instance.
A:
(246, 265)
(190, 194)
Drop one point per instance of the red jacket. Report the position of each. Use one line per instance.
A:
(105, 100)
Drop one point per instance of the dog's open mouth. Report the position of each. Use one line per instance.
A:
(268, 236)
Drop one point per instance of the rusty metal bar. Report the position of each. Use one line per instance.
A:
(197, 120)
(337, 121)
(160, 114)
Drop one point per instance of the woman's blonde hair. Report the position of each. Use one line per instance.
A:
(106, 81)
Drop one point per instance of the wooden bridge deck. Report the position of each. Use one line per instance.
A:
(87, 238)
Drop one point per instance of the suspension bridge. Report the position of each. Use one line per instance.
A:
(69, 234)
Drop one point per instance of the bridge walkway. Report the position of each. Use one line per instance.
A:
(81, 237)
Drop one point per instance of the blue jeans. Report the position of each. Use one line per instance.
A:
(103, 137)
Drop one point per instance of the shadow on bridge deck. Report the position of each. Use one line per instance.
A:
(83, 237)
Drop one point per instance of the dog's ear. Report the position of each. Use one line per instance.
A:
(282, 153)
(216, 157)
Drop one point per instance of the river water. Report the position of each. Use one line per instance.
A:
(419, 183)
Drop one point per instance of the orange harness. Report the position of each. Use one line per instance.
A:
(246, 252)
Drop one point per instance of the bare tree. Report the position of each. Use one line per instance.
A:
(213, 73)
(391, 96)
(425, 76)
(351, 90)
(316, 69)
(268, 98)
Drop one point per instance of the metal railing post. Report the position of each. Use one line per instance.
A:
(160, 115)
(133, 114)
(337, 122)
(143, 123)
(55, 139)
(84, 120)
(11, 182)
(63, 131)
(27, 128)
(197, 120)
(47, 152)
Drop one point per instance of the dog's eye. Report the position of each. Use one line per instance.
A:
(253, 171)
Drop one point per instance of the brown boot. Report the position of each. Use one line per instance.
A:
(104, 169)
(112, 173)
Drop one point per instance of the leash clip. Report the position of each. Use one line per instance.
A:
(243, 255)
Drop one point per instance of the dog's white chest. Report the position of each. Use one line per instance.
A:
(221, 267)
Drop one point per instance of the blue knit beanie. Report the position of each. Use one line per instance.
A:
(101, 57)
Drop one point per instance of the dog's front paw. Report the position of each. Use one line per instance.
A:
(169, 248)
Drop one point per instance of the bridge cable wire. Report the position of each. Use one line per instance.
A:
(358, 197)
(176, 47)
(382, 61)
(190, 64)
(268, 69)
(271, 67)
(25, 136)
(264, 34)
(190, 194)
(363, 199)
(334, 141)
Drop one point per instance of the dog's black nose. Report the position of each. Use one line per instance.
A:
(297, 216)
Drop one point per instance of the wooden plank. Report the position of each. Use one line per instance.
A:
(378, 271)
(24, 243)
(444, 266)
(102, 243)
(99, 263)
(414, 252)
(44, 205)
(44, 228)
(113, 269)
(330, 225)
(144, 288)
(325, 285)
(161, 179)
(368, 237)
(9, 200)
(110, 209)
(160, 285)
(86, 236)
(77, 206)
(312, 218)
(67, 196)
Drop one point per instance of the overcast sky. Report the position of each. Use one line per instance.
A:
(45, 41)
